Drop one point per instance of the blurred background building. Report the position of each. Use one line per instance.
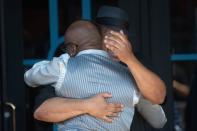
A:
(163, 33)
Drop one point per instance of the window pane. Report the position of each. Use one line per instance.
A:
(69, 11)
(183, 26)
(184, 88)
(36, 28)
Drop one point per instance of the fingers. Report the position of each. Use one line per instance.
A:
(114, 38)
(113, 115)
(110, 117)
(116, 105)
(112, 48)
(110, 41)
(107, 119)
(121, 36)
(118, 38)
(112, 45)
(106, 95)
(115, 108)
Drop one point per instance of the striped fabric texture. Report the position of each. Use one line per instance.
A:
(92, 72)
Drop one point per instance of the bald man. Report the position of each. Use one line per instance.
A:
(81, 35)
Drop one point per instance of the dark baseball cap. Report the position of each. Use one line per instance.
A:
(113, 17)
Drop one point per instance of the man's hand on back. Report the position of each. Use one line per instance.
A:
(98, 107)
(59, 109)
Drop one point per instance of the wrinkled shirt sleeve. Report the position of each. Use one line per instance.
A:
(152, 113)
(47, 72)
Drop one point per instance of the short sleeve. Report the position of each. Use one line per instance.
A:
(152, 113)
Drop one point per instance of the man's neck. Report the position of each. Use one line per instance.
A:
(90, 47)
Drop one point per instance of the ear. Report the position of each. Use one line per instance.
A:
(71, 49)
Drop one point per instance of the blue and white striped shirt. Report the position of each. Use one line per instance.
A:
(89, 73)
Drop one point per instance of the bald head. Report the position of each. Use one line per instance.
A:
(83, 34)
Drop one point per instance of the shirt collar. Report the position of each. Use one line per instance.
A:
(93, 51)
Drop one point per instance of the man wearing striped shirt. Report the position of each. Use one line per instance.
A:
(67, 76)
